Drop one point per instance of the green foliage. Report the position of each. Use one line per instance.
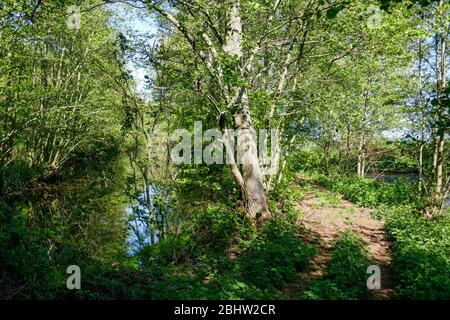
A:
(276, 256)
(421, 252)
(398, 163)
(345, 276)
(76, 220)
(58, 87)
(421, 255)
(16, 176)
(306, 159)
(368, 192)
(23, 262)
(69, 111)
(223, 256)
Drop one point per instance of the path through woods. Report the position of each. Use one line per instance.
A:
(324, 215)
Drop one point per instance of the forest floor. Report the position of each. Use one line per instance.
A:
(325, 215)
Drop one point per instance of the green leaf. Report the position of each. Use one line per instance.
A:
(333, 11)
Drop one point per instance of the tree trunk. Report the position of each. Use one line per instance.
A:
(361, 159)
(439, 164)
(421, 168)
(251, 180)
(437, 195)
(255, 199)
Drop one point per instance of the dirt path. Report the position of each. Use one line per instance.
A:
(325, 215)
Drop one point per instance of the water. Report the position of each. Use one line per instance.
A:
(148, 218)
(391, 177)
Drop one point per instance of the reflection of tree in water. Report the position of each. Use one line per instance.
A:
(149, 217)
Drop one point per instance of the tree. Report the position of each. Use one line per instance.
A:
(432, 109)
(250, 54)
(49, 101)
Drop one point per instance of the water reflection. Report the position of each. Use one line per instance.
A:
(148, 218)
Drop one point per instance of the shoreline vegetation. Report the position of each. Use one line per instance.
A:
(349, 199)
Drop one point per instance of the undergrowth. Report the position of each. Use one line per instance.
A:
(421, 252)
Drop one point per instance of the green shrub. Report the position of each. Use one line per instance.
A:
(276, 256)
(198, 266)
(421, 252)
(368, 192)
(219, 226)
(24, 262)
(16, 176)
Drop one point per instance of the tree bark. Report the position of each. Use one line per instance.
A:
(254, 194)
(438, 192)
(421, 167)
(361, 159)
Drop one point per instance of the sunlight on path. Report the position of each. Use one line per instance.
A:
(325, 215)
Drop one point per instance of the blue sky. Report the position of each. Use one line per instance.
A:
(134, 21)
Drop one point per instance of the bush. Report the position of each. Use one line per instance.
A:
(368, 192)
(199, 266)
(276, 256)
(16, 176)
(24, 262)
(421, 252)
